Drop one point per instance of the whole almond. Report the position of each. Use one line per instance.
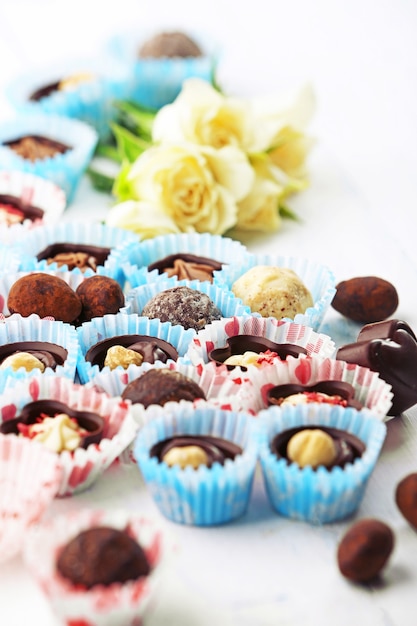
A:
(365, 299)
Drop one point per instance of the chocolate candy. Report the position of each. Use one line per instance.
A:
(406, 498)
(159, 386)
(36, 147)
(365, 299)
(339, 392)
(364, 550)
(182, 305)
(90, 422)
(348, 446)
(169, 44)
(102, 556)
(74, 255)
(239, 344)
(187, 266)
(50, 354)
(64, 84)
(99, 295)
(151, 348)
(17, 210)
(389, 348)
(215, 450)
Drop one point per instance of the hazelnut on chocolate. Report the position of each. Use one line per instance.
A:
(364, 550)
(312, 447)
(119, 355)
(99, 295)
(406, 498)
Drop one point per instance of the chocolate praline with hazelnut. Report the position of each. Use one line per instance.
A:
(195, 450)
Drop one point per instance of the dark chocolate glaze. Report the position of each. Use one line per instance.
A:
(348, 446)
(216, 448)
(187, 266)
(44, 92)
(239, 344)
(50, 354)
(275, 395)
(92, 422)
(159, 386)
(29, 212)
(102, 556)
(54, 146)
(389, 348)
(151, 348)
(95, 255)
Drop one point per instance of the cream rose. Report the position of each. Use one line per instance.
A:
(142, 218)
(195, 187)
(259, 210)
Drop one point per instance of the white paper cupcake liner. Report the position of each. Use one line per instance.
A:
(136, 257)
(33, 328)
(9, 259)
(219, 331)
(318, 278)
(34, 191)
(206, 496)
(102, 606)
(157, 82)
(108, 326)
(91, 102)
(65, 170)
(225, 300)
(84, 466)
(370, 390)
(90, 233)
(29, 480)
(318, 496)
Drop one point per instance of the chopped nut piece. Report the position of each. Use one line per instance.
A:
(22, 359)
(119, 355)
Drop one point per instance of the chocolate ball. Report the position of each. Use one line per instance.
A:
(102, 556)
(99, 295)
(169, 44)
(159, 386)
(406, 498)
(44, 295)
(364, 550)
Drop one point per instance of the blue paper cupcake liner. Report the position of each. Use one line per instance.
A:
(136, 257)
(65, 170)
(108, 326)
(9, 260)
(318, 496)
(225, 300)
(16, 328)
(90, 233)
(90, 101)
(318, 278)
(158, 81)
(206, 496)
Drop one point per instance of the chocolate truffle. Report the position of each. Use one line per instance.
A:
(99, 295)
(406, 498)
(389, 348)
(74, 255)
(14, 210)
(347, 447)
(195, 450)
(36, 147)
(273, 292)
(364, 550)
(365, 299)
(182, 305)
(187, 266)
(102, 556)
(159, 386)
(169, 44)
(45, 295)
(151, 349)
(324, 392)
(246, 350)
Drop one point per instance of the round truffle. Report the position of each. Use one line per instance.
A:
(169, 44)
(182, 305)
(102, 556)
(158, 386)
(406, 498)
(99, 295)
(45, 295)
(273, 292)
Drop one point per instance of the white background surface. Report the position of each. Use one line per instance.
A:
(359, 217)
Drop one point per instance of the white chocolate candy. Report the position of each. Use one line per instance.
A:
(57, 433)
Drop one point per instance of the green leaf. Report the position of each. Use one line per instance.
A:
(135, 118)
(287, 213)
(108, 151)
(122, 188)
(100, 181)
(129, 145)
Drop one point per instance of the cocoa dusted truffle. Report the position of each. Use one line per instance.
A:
(74, 255)
(159, 386)
(36, 147)
(187, 266)
(406, 498)
(169, 44)
(99, 295)
(182, 305)
(195, 450)
(117, 350)
(102, 556)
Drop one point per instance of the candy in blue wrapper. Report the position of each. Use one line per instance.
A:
(320, 495)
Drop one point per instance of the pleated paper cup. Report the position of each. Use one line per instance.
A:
(205, 496)
(119, 603)
(29, 480)
(318, 496)
(81, 468)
